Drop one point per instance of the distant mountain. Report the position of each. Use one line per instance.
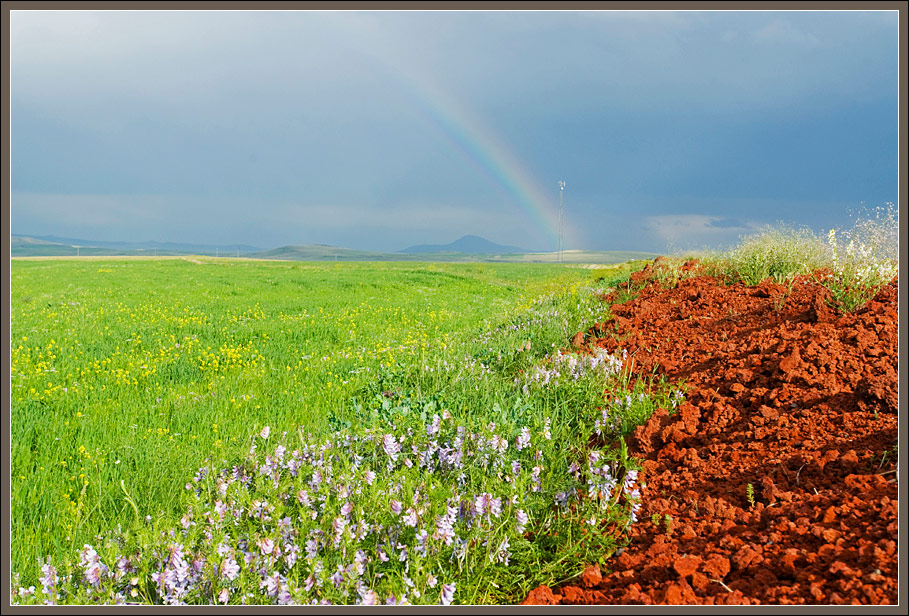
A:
(320, 252)
(469, 244)
(105, 247)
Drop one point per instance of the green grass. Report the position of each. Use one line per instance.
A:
(142, 371)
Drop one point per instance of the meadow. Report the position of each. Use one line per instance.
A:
(127, 376)
(228, 431)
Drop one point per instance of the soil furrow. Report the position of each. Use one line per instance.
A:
(785, 395)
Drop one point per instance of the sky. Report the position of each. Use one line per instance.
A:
(384, 129)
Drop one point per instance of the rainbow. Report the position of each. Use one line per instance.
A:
(465, 131)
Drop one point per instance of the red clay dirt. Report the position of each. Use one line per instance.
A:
(783, 393)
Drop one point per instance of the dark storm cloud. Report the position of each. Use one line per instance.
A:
(271, 128)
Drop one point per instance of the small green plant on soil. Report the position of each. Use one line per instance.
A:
(779, 302)
(749, 494)
(668, 271)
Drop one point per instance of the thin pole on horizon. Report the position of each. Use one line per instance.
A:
(561, 189)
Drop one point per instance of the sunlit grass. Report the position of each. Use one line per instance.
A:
(140, 372)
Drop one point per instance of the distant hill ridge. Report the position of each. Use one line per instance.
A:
(37, 240)
(468, 249)
(468, 244)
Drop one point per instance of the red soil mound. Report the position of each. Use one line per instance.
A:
(785, 394)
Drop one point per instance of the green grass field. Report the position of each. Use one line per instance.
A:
(196, 430)
(139, 372)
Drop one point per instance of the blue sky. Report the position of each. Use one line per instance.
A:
(379, 130)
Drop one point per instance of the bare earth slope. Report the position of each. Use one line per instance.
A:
(786, 394)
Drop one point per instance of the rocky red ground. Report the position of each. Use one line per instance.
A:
(785, 394)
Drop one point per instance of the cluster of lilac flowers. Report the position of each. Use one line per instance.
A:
(371, 517)
(571, 367)
(386, 514)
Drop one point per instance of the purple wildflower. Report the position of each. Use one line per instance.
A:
(521, 519)
(271, 584)
(391, 446)
(410, 518)
(94, 568)
(630, 478)
(523, 439)
(290, 554)
(229, 568)
(265, 432)
(368, 596)
(346, 509)
(224, 596)
(502, 555)
(495, 506)
(447, 595)
(312, 548)
(338, 526)
(303, 497)
(337, 577)
(49, 579)
(535, 478)
(422, 542)
(445, 528)
(123, 567)
(266, 545)
(480, 502)
(285, 524)
(220, 508)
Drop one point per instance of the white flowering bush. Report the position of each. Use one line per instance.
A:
(863, 259)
